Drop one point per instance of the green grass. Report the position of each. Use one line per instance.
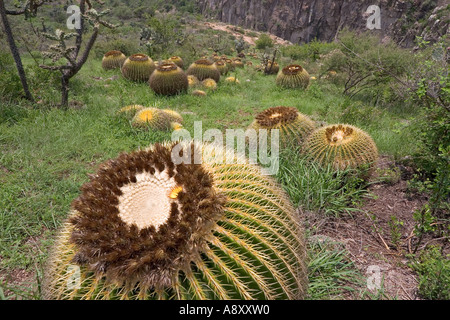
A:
(47, 153)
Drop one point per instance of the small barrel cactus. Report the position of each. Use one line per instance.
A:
(294, 126)
(177, 60)
(113, 59)
(341, 146)
(153, 118)
(138, 67)
(192, 81)
(199, 93)
(293, 76)
(149, 227)
(204, 69)
(272, 69)
(238, 63)
(221, 66)
(130, 111)
(173, 115)
(232, 80)
(230, 64)
(168, 79)
(209, 84)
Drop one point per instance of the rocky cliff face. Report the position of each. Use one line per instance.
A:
(301, 21)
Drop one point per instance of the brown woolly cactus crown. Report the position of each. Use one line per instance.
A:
(138, 57)
(292, 69)
(294, 126)
(277, 115)
(146, 218)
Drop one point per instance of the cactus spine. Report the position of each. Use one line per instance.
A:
(145, 227)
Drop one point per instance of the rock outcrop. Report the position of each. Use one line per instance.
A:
(302, 21)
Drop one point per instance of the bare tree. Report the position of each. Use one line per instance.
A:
(72, 56)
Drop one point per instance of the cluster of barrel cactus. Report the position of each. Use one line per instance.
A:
(148, 227)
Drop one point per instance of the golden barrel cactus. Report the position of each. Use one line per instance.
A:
(341, 146)
(113, 59)
(149, 227)
(238, 63)
(272, 69)
(138, 67)
(177, 60)
(153, 118)
(294, 126)
(209, 84)
(221, 66)
(203, 69)
(130, 110)
(168, 79)
(231, 66)
(293, 76)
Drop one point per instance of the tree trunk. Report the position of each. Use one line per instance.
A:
(64, 91)
(15, 51)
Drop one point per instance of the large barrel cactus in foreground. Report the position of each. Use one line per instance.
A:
(341, 146)
(138, 67)
(293, 76)
(146, 227)
(294, 126)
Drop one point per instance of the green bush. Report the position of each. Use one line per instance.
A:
(264, 41)
(10, 85)
(371, 68)
(433, 269)
(310, 51)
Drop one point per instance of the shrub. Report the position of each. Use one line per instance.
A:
(310, 51)
(264, 41)
(369, 66)
(433, 269)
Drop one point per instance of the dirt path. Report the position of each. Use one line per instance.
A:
(250, 40)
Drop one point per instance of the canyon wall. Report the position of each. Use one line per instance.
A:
(302, 21)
